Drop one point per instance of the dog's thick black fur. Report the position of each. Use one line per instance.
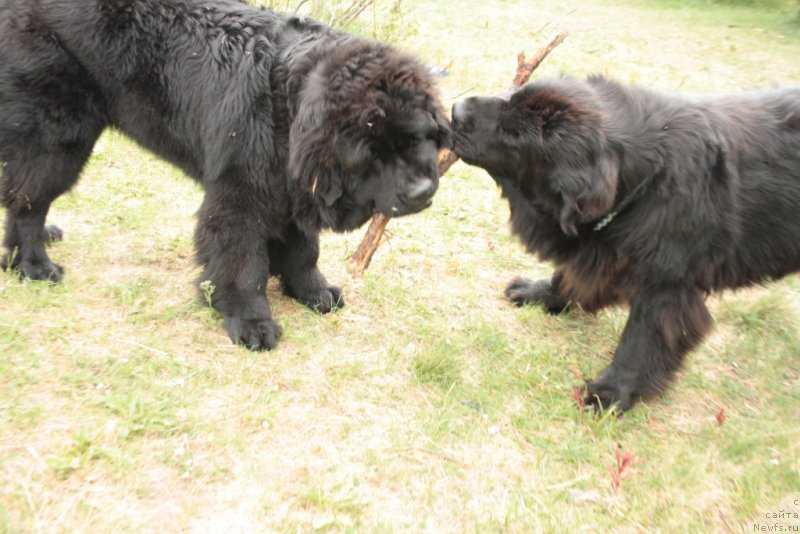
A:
(290, 126)
(644, 198)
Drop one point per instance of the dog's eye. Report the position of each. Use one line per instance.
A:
(512, 129)
(404, 144)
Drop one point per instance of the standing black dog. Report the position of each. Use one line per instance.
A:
(290, 126)
(643, 198)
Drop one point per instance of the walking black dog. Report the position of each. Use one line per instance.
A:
(644, 198)
(290, 126)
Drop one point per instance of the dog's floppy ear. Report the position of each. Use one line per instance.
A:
(313, 161)
(549, 111)
(353, 145)
(354, 154)
(587, 191)
(585, 171)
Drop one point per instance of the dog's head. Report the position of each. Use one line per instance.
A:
(548, 139)
(366, 135)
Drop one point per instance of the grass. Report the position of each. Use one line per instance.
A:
(428, 403)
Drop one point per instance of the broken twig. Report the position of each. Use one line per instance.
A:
(372, 239)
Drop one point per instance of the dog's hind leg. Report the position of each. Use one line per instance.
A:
(30, 183)
(662, 327)
(10, 259)
(24, 243)
(27, 199)
(50, 117)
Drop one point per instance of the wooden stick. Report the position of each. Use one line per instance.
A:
(526, 68)
(372, 239)
(369, 244)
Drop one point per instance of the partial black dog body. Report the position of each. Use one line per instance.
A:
(643, 198)
(290, 126)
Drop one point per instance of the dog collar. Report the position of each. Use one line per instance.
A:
(602, 223)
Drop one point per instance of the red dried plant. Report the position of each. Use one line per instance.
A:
(578, 397)
(721, 417)
(623, 468)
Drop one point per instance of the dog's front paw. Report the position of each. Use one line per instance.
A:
(40, 270)
(255, 334)
(51, 234)
(609, 392)
(324, 300)
(522, 291)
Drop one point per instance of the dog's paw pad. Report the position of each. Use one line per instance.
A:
(255, 334)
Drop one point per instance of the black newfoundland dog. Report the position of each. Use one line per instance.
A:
(290, 126)
(643, 198)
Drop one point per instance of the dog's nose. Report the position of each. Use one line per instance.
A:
(422, 188)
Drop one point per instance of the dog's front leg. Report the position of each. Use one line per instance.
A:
(522, 291)
(663, 325)
(294, 259)
(231, 242)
